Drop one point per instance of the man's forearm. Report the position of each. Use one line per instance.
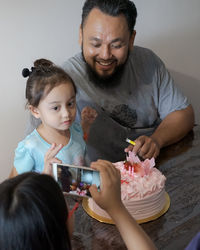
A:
(174, 127)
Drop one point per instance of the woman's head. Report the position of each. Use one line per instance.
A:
(33, 214)
(42, 78)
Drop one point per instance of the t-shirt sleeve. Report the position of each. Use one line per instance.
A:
(170, 97)
(23, 162)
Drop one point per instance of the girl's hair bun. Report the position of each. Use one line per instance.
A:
(26, 72)
(40, 65)
(43, 63)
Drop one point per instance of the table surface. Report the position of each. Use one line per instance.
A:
(180, 163)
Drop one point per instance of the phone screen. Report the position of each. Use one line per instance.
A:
(76, 180)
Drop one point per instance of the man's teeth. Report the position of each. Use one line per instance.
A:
(105, 63)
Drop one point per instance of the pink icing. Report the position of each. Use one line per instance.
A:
(145, 166)
(142, 191)
(143, 183)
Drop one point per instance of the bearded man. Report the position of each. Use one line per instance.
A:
(129, 86)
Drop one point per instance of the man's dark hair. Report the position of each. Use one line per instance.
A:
(112, 8)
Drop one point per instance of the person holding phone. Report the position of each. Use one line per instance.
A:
(29, 218)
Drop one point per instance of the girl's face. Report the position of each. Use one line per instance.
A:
(57, 110)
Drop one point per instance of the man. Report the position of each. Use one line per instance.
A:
(129, 86)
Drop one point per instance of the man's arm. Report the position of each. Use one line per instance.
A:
(173, 128)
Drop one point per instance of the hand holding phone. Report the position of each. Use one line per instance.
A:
(109, 196)
(76, 180)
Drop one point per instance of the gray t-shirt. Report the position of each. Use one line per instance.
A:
(143, 96)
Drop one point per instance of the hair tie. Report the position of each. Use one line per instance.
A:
(26, 72)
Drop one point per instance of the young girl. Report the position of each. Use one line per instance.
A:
(51, 97)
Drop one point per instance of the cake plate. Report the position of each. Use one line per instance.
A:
(109, 221)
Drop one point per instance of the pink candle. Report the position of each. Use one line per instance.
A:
(132, 172)
(129, 170)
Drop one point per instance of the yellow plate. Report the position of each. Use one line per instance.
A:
(109, 221)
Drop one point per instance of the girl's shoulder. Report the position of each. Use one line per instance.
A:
(77, 134)
(29, 154)
(76, 128)
(23, 160)
(30, 141)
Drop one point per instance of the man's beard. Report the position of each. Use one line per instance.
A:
(105, 82)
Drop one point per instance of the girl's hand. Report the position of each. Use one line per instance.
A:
(88, 116)
(50, 158)
(109, 197)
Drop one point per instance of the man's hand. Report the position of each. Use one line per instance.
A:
(50, 158)
(172, 129)
(145, 147)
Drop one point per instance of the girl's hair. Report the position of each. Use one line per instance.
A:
(33, 214)
(43, 74)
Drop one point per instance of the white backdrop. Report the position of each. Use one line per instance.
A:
(49, 28)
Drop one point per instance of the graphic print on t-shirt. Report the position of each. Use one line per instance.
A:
(124, 115)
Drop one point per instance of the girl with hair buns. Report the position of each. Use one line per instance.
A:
(51, 98)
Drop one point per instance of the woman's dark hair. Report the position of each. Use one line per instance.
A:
(43, 74)
(112, 8)
(33, 214)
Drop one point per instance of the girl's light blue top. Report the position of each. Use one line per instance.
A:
(29, 155)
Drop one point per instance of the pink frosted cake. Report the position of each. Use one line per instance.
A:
(142, 189)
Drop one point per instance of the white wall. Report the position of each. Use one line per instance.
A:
(171, 29)
(49, 28)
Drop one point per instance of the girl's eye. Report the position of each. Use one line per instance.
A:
(71, 104)
(55, 108)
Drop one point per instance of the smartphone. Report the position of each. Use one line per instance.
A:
(76, 180)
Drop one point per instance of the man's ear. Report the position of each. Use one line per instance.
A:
(80, 41)
(131, 40)
(34, 111)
